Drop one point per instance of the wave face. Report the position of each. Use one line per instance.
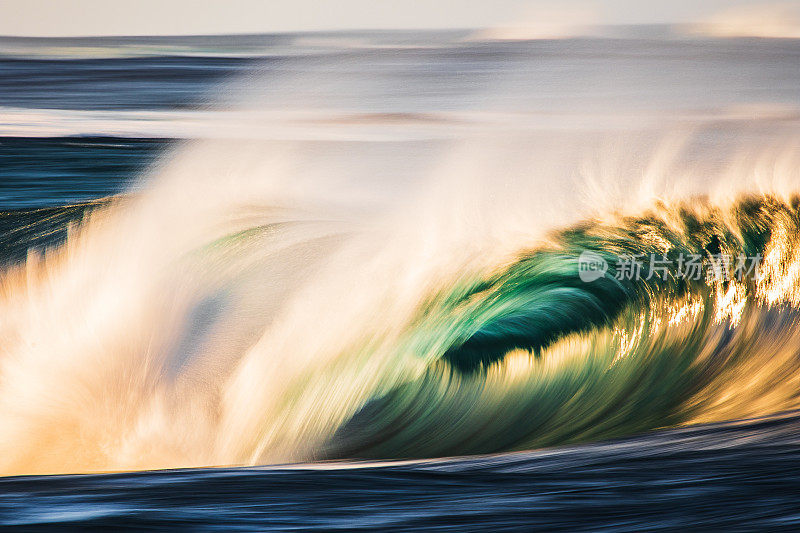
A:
(260, 303)
(532, 356)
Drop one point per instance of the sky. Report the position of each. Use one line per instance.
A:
(181, 17)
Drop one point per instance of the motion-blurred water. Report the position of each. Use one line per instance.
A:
(82, 120)
(727, 477)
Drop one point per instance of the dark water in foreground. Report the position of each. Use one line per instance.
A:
(733, 477)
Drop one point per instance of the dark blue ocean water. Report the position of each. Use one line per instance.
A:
(46, 172)
(83, 120)
(729, 477)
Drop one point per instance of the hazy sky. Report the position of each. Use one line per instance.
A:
(153, 17)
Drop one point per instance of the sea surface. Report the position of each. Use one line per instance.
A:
(85, 123)
(726, 477)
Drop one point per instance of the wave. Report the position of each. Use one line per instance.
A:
(533, 356)
(545, 21)
(305, 125)
(767, 21)
(263, 304)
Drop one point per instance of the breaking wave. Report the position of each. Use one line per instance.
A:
(260, 304)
